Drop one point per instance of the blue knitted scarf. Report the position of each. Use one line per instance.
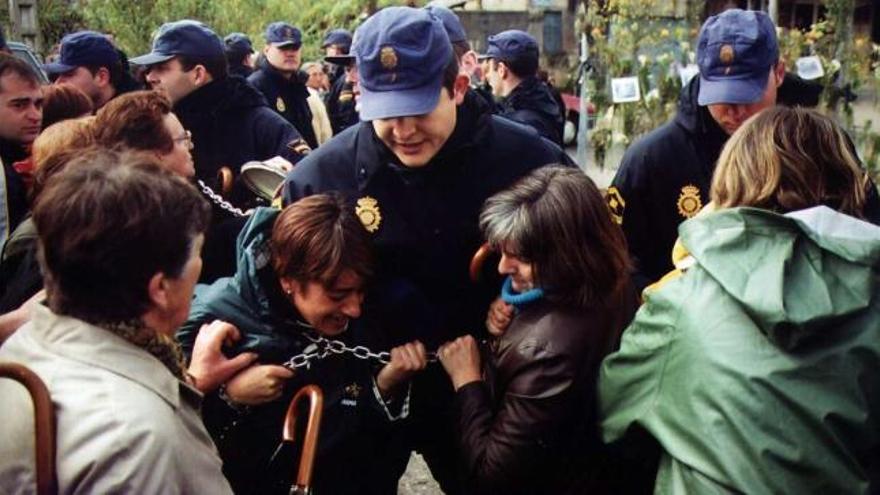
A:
(519, 299)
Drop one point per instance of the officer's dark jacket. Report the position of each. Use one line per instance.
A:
(532, 103)
(424, 220)
(341, 106)
(231, 125)
(287, 97)
(351, 449)
(664, 177)
(240, 70)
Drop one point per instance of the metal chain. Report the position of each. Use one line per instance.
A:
(219, 201)
(322, 347)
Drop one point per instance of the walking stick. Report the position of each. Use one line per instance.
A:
(44, 424)
(477, 261)
(303, 484)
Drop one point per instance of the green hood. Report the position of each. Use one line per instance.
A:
(793, 274)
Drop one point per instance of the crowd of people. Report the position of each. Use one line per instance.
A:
(706, 325)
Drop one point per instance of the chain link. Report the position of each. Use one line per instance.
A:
(219, 201)
(322, 347)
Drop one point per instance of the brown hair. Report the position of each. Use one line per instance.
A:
(556, 219)
(135, 120)
(64, 101)
(317, 238)
(785, 159)
(106, 226)
(11, 63)
(57, 145)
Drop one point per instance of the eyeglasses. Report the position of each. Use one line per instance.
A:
(186, 138)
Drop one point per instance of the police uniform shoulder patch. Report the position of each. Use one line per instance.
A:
(299, 146)
(367, 210)
(279, 105)
(616, 204)
(689, 202)
(345, 96)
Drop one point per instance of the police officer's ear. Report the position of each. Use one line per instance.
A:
(102, 76)
(460, 88)
(779, 72)
(201, 76)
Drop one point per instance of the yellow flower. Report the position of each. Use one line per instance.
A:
(664, 33)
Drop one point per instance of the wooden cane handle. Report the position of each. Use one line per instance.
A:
(44, 424)
(310, 442)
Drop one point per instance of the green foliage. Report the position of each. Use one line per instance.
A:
(134, 22)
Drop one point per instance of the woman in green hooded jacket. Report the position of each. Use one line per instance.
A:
(756, 365)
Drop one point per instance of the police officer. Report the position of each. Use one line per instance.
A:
(513, 66)
(416, 171)
(90, 62)
(336, 42)
(664, 177)
(340, 100)
(278, 78)
(229, 120)
(239, 54)
(229, 123)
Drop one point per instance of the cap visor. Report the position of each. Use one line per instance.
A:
(399, 103)
(150, 59)
(285, 44)
(732, 91)
(340, 59)
(57, 68)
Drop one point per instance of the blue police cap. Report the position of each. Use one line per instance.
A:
(83, 48)
(338, 37)
(514, 46)
(735, 52)
(450, 20)
(238, 43)
(282, 34)
(188, 38)
(401, 53)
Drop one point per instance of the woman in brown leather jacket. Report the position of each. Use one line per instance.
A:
(527, 417)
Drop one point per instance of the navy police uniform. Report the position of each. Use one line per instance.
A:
(423, 220)
(665, 177)
(531, 102)
(287, 94)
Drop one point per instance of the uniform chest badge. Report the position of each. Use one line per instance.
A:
(616, 204)
(689, 202)
(367, 210)
(279, 104)
(350, 394)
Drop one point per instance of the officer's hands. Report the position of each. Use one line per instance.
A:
(499, 316)
(259, 384)
(461, 360)
(406, 360)
(208, 366)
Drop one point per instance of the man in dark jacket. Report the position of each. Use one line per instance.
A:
(664, 178)
(90, 62)
(239, 52)
(21, 115)
(513, 63)
(229, 120)
(340, 100)
(278, 78)
(417, 171)
(336, 42)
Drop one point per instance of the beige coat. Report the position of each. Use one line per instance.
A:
(125, 423)
(320, 119)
